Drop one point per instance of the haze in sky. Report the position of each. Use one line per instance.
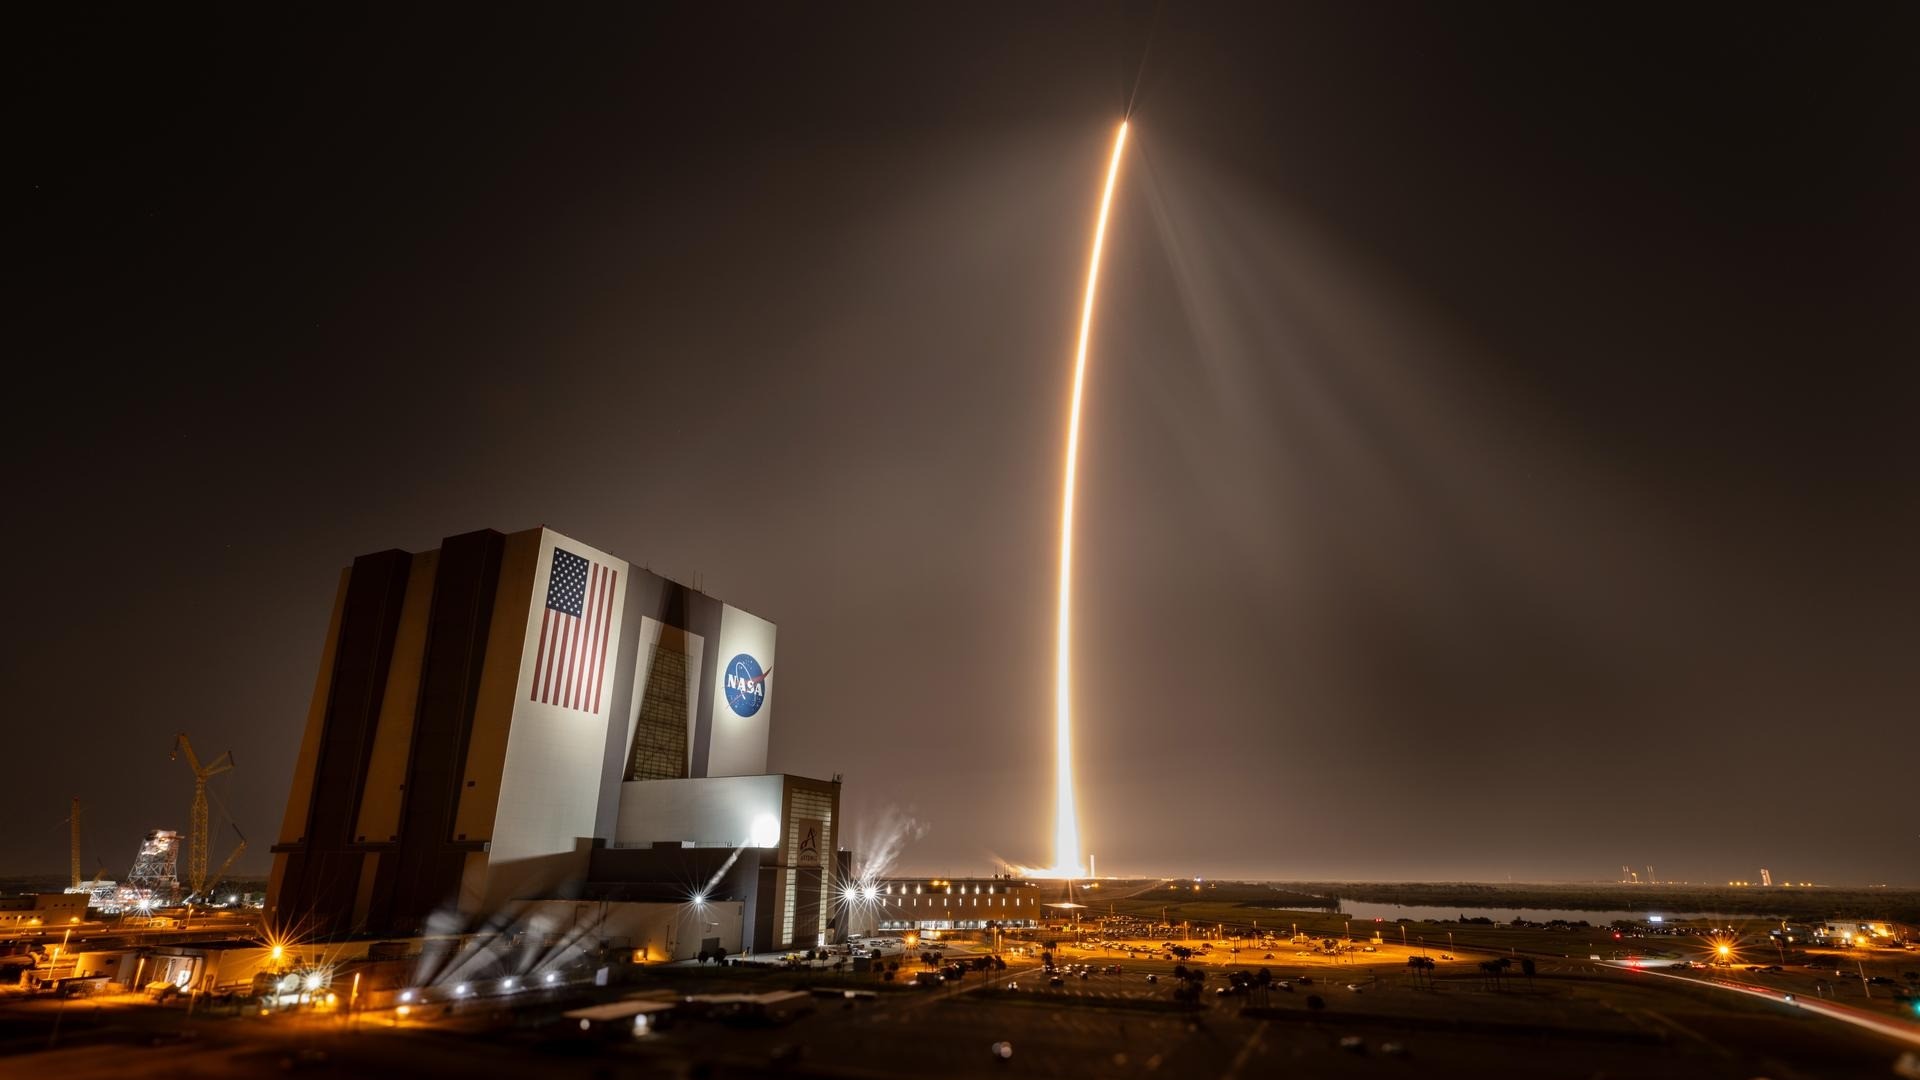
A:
(1498, 452)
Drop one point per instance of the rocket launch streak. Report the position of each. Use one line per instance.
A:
(1066, 824)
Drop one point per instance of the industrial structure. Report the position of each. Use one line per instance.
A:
(155, 877)
(510, 723)
(197, 839)
(73, 821)
(896, 905)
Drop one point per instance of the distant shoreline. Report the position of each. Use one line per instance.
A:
(1779, 902)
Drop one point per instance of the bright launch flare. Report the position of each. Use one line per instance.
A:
(1066, 824)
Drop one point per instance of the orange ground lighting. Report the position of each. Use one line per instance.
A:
(1067, 861)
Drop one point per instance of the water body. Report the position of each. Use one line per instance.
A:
(1359, 910)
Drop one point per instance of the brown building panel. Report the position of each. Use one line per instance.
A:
(293, 824)
(498, 689)
(321, 876)
(379, 818)
(426, 869)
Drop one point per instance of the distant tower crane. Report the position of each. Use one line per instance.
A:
(197, 843)
(73, 819)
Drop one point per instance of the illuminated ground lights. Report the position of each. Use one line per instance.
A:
(1067, 861)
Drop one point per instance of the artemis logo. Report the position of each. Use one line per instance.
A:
(746, 685)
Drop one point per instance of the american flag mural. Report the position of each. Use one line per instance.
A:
(573, 633)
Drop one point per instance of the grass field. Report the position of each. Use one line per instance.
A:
(1753, 904)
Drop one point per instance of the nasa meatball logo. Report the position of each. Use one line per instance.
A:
(746, 685)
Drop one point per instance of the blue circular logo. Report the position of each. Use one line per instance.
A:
(746, 685)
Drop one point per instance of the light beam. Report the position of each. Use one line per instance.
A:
(1066, 823)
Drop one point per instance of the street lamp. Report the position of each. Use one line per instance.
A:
(53, 966)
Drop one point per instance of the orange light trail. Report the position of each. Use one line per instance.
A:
(1067, 860)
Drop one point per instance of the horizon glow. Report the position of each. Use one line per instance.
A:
(1067, 861)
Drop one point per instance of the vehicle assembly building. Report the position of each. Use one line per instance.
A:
(510, 721)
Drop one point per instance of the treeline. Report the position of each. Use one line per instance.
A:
(1898, 905)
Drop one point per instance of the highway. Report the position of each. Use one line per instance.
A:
(1907, 1033)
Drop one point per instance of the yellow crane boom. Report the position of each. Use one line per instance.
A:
(197, 842)
(74, 820)
(227, 863)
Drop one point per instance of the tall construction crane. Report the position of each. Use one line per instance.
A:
(73, 819)
(197, 835)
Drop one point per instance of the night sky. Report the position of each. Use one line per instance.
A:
(1500, 451)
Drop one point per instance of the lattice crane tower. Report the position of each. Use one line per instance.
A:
(197, 842)
(73, 820)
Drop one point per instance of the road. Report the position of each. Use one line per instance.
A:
(1897, 1030)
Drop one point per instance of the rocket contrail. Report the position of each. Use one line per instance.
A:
(1066, 824)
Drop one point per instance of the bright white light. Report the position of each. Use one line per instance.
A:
(1066, 822)
(313, 981)
(869, 893)
(461, 990)
(700, 897)
(507, 983)
(551, 976)
(406, 995)
(766, 831)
